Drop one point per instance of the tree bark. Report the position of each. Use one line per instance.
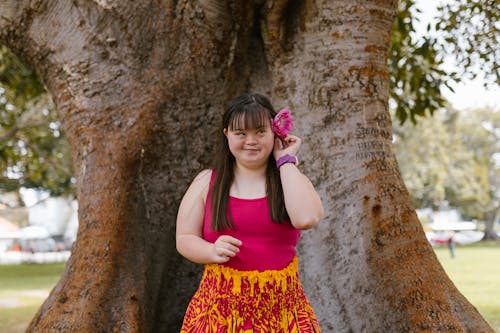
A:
(368, 267)
(135, 85)
(140, 87)
(489, 224)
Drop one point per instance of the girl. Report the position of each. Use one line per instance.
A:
(243, 220)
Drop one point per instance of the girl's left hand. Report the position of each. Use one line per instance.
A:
(289, 145)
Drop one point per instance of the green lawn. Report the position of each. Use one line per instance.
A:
(475, 271)
(23, 288)
(31, 276)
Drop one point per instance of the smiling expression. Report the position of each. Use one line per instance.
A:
(251, 147)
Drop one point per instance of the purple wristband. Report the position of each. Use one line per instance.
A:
(286, 159)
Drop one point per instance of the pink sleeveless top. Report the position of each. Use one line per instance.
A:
(266, 244)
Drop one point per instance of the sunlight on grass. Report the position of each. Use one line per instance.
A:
(476, 273)
(16, 320)
(23, 288)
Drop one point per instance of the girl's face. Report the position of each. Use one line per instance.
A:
(251, 147)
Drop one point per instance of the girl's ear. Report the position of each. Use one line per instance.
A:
(225, 131)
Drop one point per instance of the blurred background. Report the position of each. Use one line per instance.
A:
(445, 107)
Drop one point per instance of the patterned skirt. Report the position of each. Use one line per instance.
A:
(234, 301)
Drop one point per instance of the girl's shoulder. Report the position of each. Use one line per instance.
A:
(204, 175)
(201, 183)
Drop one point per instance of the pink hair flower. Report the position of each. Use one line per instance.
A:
(282, 123)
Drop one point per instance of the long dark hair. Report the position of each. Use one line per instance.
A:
(248, 111)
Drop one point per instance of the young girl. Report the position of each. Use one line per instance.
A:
(242, 219)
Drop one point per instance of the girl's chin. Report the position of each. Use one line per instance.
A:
(253, 160)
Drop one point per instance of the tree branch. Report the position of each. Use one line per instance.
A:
(9, 134)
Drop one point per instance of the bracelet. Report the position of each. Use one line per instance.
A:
(286, 159)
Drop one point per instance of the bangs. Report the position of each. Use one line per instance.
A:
(249, 118)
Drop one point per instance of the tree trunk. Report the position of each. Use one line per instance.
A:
(135, 86)
(140, 87)
(489, 224)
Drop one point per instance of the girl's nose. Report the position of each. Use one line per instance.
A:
(250, 139)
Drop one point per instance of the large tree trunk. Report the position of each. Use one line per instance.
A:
(140, 87)
(136, 85)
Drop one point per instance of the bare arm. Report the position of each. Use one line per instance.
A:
(189, 241)
(302, 202)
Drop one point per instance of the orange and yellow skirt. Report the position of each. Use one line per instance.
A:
(234, 301)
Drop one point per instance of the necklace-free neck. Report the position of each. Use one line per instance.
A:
(249, 182)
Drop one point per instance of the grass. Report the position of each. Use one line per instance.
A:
(16, 320)
(23, 288)
(30, 276)
(474, 271)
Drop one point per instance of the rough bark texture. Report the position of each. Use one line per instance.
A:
(140, 87)
(489, 226)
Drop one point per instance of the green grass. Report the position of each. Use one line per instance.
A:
(476, 273)
(31, 276)
(16, 320)
(25, 287)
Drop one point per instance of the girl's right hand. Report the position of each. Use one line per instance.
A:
(224, 248)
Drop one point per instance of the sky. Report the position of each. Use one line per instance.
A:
(468, 94)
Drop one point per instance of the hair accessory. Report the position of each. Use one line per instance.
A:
(282, 123)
